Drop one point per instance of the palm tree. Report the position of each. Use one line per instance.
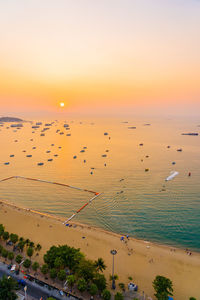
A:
(100, 265)
(38, 248)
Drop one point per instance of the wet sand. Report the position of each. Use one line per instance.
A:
(136, 258)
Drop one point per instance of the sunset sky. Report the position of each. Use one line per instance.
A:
(99, 55)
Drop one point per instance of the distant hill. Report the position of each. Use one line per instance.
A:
(10, 119)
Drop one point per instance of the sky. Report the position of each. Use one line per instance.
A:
(99, 56)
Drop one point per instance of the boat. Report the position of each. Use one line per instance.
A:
(172, 175)
(190, 133)
(40, 164)
(29, 155)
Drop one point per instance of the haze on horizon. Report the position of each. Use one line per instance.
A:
(100, 56)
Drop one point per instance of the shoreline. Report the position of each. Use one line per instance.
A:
(141, 259)
(62, 220)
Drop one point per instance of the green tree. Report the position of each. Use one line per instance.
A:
(35, 266)
(61, 275)
(93, 289)
(70, 256)
(162, 287)
(71, 280)
(82, 285)
(100, 265)
(106, 294)
(1, 248)
(53, 273)
(31, 244)
(86, 270)
(13, 238)
(10, 256)
(29, 251)
(115, 277)
(44, 269)
(21, 245)
(18, 259)
(130, 278)
(59, 263)
(7, 288)
(27, 263)
(119, 296)
(38, 247)
(122, 286)
(4, 253)
(192, 298)
(50, 298)
(2, 228)
(6, 235)
(100, 281)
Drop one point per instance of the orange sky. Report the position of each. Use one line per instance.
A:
(92, 54)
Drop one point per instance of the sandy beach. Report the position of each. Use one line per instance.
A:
(139, 259)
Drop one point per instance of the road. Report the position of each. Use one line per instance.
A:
(34, 291)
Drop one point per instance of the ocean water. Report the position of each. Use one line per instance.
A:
(141, 204)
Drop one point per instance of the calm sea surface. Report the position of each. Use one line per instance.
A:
(133, 202)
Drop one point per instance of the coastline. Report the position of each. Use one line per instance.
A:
(142, 260)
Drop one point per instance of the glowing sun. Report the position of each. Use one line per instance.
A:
(62, 104)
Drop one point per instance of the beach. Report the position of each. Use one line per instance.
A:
(142, 260)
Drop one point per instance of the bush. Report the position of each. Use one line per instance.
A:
(10, 255)
(4, 253)
(119, 296)
(2, 228)
(27, 263)
(82, 285)
(14, 238)
(44, 269)
(61, 275)
(122, 286)
(30, 251)
(71, 280)
(35, 266)
(100, 282)
(106, 295)
(18, 259)
(93, 289)
(6, 235)
(53, 273)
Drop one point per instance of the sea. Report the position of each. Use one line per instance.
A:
(125, 159)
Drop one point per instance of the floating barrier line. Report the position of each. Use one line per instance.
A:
(60, 184)
(52, 182)
(72, 216)
(7, 178)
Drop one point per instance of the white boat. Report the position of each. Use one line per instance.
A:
(172, 175)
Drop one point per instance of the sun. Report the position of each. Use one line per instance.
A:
(62, 104)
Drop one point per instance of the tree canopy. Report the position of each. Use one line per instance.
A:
(162, 287)
(7, 288)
